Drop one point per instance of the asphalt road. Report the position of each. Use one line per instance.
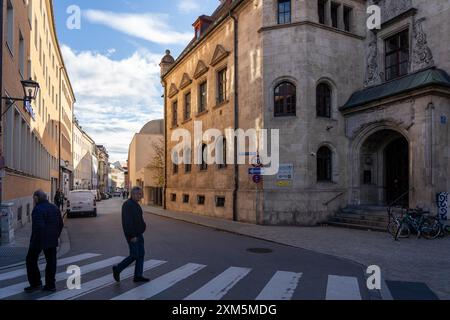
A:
(187, 261)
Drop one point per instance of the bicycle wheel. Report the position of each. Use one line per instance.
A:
(403, 231)
(431, 228)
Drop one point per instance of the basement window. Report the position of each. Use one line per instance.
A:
(185, 198)
(201, 200)
(220, 202)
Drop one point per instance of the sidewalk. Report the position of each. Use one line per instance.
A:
(14, 254)
(410, 260)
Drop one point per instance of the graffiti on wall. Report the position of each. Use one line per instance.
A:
(442, 203)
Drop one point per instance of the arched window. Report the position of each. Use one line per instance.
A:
(285, 99)
(323, 100)
(284, 11)
(203, 164)
(324, 165)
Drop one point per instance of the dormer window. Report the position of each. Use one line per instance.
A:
(200, 25)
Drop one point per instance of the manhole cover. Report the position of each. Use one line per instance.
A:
(260, 250)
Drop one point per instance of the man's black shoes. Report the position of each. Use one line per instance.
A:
(141, 280)
(32, 289)
(116, 274)
(49, 289)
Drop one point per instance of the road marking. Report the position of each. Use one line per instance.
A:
(220, 285)
(18, 288)
(161, 284)
(100, 283)
(342, 288)
(61, 262)
(281, 287)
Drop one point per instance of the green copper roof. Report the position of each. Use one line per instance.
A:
(424, 78)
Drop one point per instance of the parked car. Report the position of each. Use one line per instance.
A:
(105, 195)
(97, 195)
(81, 202)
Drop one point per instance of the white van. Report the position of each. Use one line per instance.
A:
(81, 202)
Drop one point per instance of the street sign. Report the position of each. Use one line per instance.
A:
(257, 178)
(286, 172)
(256, 171)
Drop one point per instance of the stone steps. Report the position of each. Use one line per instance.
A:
(364, 218)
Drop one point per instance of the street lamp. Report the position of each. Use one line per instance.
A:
(30, 91)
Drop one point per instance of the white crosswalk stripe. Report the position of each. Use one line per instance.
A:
(281, 287)
(61, 262)
(100, 283)
(18, 288)
(161, 284)
(217, 288)
(343, 288)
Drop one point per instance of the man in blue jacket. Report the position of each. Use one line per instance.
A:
(47, 225)
(133, 227)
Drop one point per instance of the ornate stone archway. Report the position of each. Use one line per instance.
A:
(375, 180)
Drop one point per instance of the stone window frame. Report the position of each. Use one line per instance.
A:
(334, 164)
(219, 69)
(278, 12)
(271, 97)
(201, 82)
(387, 32)
(185, 94)
(334, 112)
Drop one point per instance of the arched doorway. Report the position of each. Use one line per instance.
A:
(384, 169)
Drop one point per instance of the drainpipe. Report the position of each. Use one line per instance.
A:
(165, 147)
(236, 116)
(61, 185)
(2, 159)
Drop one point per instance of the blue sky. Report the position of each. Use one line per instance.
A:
(113, 61)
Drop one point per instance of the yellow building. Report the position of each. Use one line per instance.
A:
(142, 167)
(37, 149)
(54, 104)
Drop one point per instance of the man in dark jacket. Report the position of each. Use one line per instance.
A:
(133, 227)
(59, 199)
(47, 225)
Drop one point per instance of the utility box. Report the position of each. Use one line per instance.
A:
(6, 223)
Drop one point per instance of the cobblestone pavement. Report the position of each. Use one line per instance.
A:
(409, 260)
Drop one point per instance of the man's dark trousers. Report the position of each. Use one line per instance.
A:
(33, 272)
(137, 253)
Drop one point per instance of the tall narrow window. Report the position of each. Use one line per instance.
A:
(203, 164)
(347, 18)
(321, 5)
(334, 14)
(284, 11)
(202, 97)
(324, 164)
(285, 99)
(175, 114)
(397, 55)
(222, 86)
(187, 106)
(21, 55)
(10, 25)
(187, 159)
(221, 152)
(323, 100)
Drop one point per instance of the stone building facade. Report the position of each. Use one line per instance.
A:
(362, 113)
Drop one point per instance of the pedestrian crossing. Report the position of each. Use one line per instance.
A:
(209, 283)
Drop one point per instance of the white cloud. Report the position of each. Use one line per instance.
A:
(148, 26)
(115, 98)
(188, 6)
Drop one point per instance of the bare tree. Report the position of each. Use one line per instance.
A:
(157, 163)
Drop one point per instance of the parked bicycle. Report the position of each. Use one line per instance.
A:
(419, 221)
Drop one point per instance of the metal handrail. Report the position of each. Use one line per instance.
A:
(399, 198)
(334, 198)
